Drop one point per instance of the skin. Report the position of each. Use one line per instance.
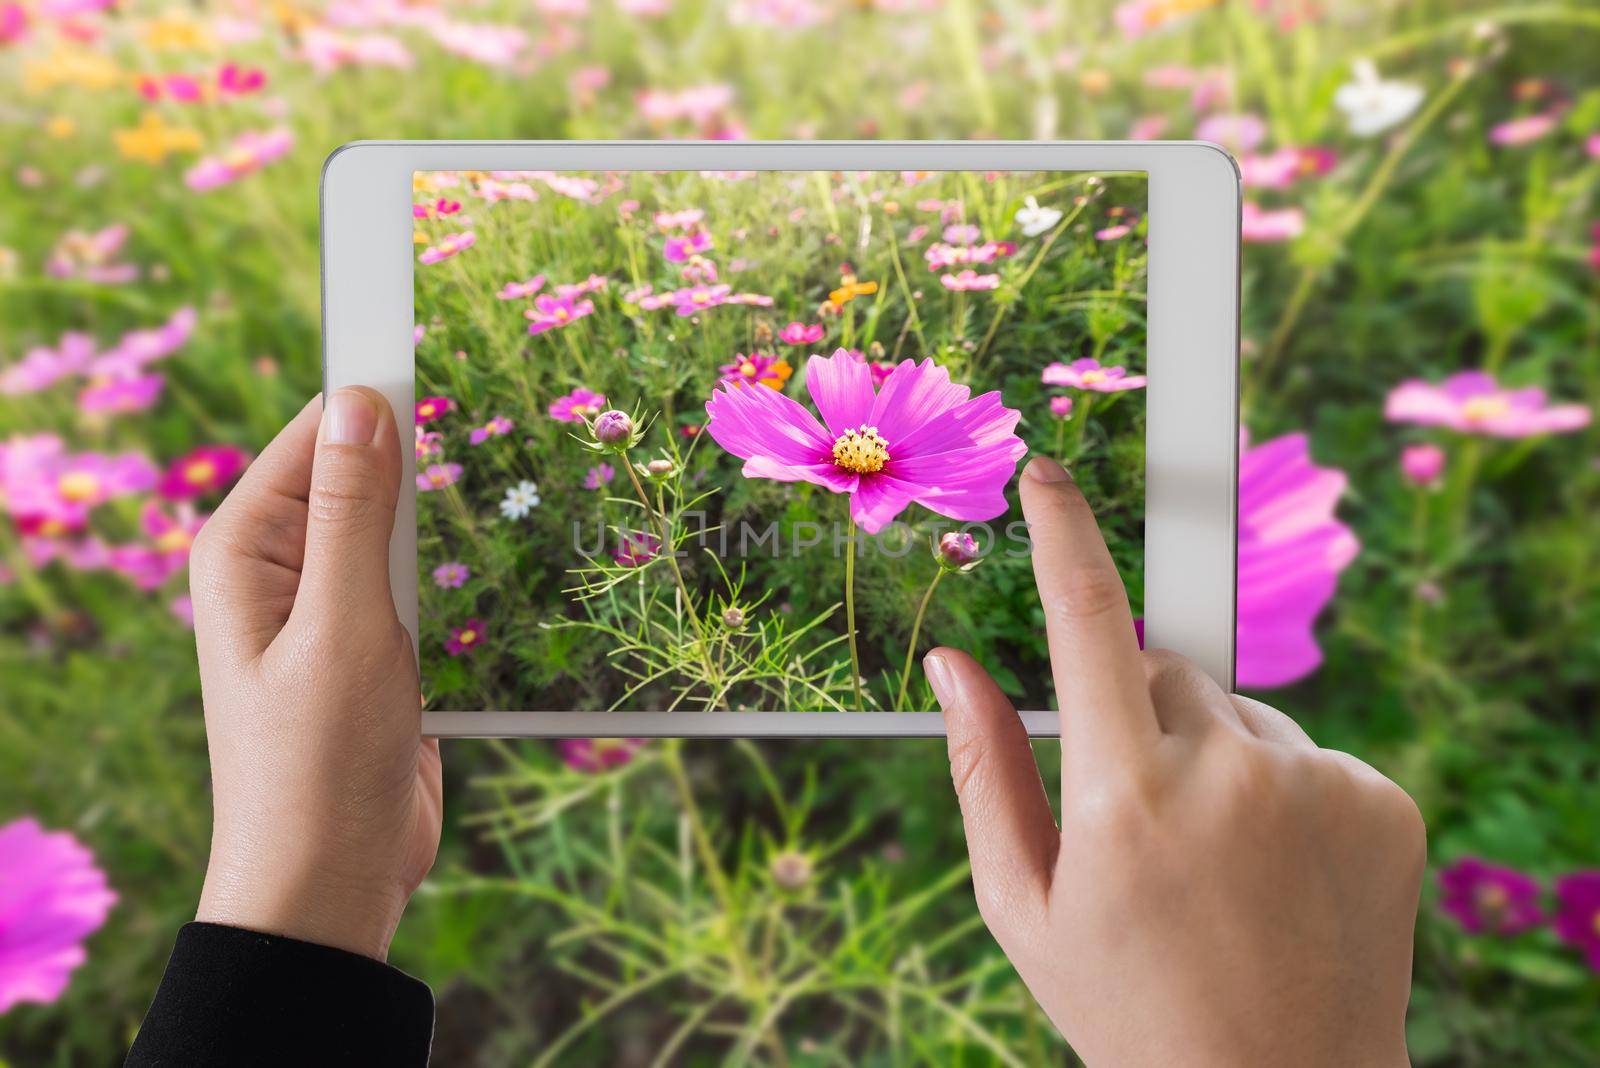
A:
(1219, 891)
(327, 799)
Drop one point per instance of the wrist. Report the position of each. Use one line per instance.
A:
(321, 906)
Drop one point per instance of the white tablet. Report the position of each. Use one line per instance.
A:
(719, 438)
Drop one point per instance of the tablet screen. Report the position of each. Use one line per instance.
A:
(750, 440)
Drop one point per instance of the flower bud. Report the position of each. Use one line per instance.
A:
(612, 427)
(733, 617)
(1422, 464)
(957, 551)
(660, 468)
(791, 870)
(1060, 407)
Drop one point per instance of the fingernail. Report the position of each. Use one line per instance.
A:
(939, 678)
(1044, 469)
(349, 419)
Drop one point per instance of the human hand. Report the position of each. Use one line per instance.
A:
(1220, 891)
(327, 799)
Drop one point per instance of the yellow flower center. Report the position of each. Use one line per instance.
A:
(173, 541)
(1091, 377)
(468, 637)
(747, 369)
(1482, 409)
(200, 473)
(78, 486)
(1493, 899)
(862, 450)
(1597, 921)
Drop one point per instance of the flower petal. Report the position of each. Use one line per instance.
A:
(841, 386)
(761, 422)
(878, 499)
(912, 396)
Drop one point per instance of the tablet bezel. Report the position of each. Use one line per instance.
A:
(1192, 398)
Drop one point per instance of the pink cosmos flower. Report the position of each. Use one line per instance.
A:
(678, 220)
(1087, 374)
(52, 897)
(1522, 131)
(1113, 232)
(465, 638)
(170, 535)
(1471, 402)
(248, 153)
(694, 299)
(1060, 407)
(437, 208)
(680, 247)
(1422, 464)
(431, 408)
(496, 427)
(940, 255)
(1241, 131)
(1259, 224)
(451, 575)
(598, 477)
(1291, 550)
(1577, 920)
(921, 438)
(576, 407)
(758, 368)
(969, 280)
(636, 548)
(429, 443)
(962, 234)
(328, 50)
(1487, 898)
(597, 754)
(137, 349)
(49, 491)
(801, 334)
(549, 312)
(92, 257)
(234, 80)
(204, 470)
(452, 244)
(492, 45)
(40, 368)
(178, 88)
(574, 290)
(438, 476)
(120, 396)
(518, 290)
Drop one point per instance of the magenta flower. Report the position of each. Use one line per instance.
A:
(451, 575)
(50, 492)
(40, 368)
(1113, 232)
(52, 897)
(801, 334)
(574, 290)
(1471, 402)
(1060, 407)
(636, 548)
(498, 426)
(119, 396)
(969, 280)
(248, 153)
(1487, 898)
(961, 234)
(921, 438)
(1291, 550)
(1087, 373)
(1258, 224)
(576, 407)
(613, 427)
(518, 290)
(1522, 131)
(465, 638)
(438, 476)
(940, 255)
(1422, 465)
(958, 550)
(597, 754)
(758, 368)
(430, 443)
(681, 247)
(137, 349)
(678, 220)
(170, 536)
(549, 312)
(1577, 920)
(599, 476)
(204, 470)
(694, 299)
(92, 257)
(430, 408)
(451, 245)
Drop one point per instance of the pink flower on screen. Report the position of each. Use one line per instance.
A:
(574, 290)
(92, 257)
(577, 406)
(1577, 919)
(498, 426)
(1260, 224)
(1472, 402)
(758, 368)
(204, 470)
(169, 537)
(451, 575)
(1291, 550)
(428, 409)
(969, 280)
(598, 476)
(49, 491)
(40, 367)
(465, 638)
(1240, 132)
(248, 153)
(801, 334)
(451, 245)
(430, 443)
(518, 290)
(597, 754)
(680, 247)
(438, 476)
(1087, 373)
(1522, 131)
(52, 898)
(549, 313)
(1488, 898)
(120, 396)
(678, 220)
(919, 439)
(137, 349)
(234, 80)
(961, 234)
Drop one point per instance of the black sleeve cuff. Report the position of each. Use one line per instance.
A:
(237, 997)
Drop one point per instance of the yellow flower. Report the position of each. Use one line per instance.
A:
(60, 127)
(849, 290)
(153, 140)
(81, 68)
(176, 32)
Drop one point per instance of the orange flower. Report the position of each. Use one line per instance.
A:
(849, 289)
(153, 140)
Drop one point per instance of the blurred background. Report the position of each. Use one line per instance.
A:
(1420, 577)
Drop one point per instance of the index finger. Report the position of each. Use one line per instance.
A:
(1094, 653)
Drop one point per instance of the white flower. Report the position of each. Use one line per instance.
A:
(1373, 105)
(520, 500)
(1035, 220)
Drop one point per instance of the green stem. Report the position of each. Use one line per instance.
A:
(911, 648)
(1080, 423)
(671, 552)
(850, 615)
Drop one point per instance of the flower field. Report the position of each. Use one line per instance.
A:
(1419, 498)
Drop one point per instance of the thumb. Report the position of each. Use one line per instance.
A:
(355, 480)
(1011, 836)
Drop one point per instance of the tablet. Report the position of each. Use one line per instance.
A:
(718, 439)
